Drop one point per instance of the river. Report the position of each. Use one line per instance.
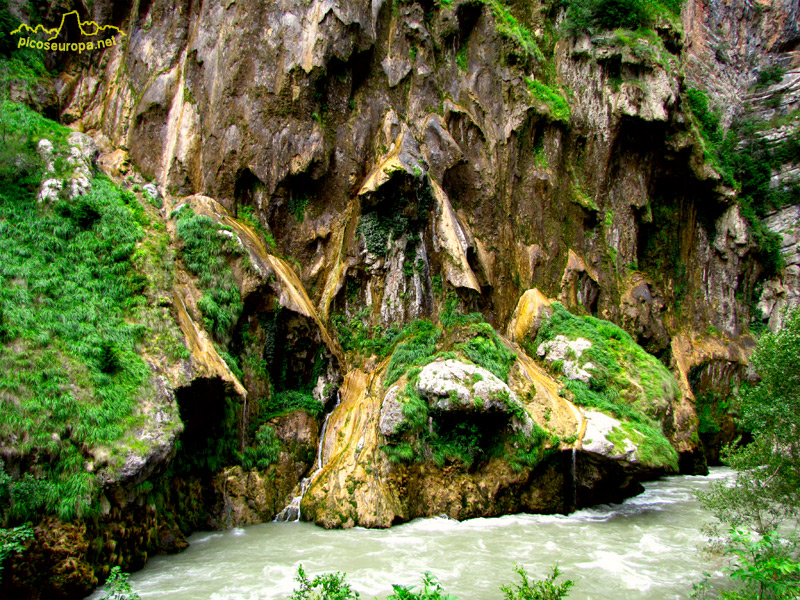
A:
(644, 548)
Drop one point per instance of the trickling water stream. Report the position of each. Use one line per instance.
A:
(291, 511)
(645, 548)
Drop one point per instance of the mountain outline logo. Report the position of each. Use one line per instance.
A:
(87, 28)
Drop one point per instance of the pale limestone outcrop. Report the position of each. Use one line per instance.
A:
(80, 158)
(595, 440)
(451, 240)
(532, 310)
(569, 353)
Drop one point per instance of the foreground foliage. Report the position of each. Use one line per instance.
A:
(334, 586)
(117, 586)
(12, 541)
(758, 517)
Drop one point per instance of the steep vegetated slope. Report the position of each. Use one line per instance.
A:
(497, 256)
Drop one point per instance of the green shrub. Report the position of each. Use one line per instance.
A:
(297, 206)
(328, 586)
(603, 15)
(529, 451)
(431, 590)
(400, 207)
(13, 541)
(769, 75)
(706, 118)
(265, 452)
(287, 401)
(117, 586)
(355, 336)
(545, 589)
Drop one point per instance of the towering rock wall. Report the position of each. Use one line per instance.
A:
(369, 164)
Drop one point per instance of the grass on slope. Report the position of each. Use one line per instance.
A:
(70, 374)
(626, 382)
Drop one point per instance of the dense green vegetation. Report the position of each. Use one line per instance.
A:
(400, 207)
(464, 443)
(747, 161)
(421, 435)
(264, 452)
(418, 347)
(486, 349)
(593, 16)
(12, 541)
(69, 353)
(205, 252)
(626, 381)
(509, 27)
(757, 517)
(334, 586)
(554, 100)
(117, 586)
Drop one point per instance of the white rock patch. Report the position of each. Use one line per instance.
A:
(569, 352)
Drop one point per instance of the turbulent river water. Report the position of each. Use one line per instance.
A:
(644, 548)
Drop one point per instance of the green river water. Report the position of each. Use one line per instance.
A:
(644, 548)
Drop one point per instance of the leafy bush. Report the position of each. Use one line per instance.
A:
(355, 336)
(771, 74)
(266, 451)
(328, 586)
(117, 586)
(297, 206)
(280, 403)
(400, 208)
(529, 451)
(706, 118)
(431, 590)
(12, 541)
(545, 589)
(602, 15)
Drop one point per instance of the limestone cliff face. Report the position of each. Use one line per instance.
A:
(398, 151)
(327, 95)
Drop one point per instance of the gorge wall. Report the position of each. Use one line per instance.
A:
(436, 257)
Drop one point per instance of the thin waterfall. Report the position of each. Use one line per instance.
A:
(292, 510)
(574, 473)
(243, 425)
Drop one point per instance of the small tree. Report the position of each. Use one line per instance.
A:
(759, 515)
(117, 586)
